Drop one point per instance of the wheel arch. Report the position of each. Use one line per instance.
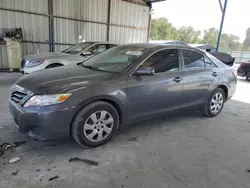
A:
(59, 64)
(224, 88)
(108, 99)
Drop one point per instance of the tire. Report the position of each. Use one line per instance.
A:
(212, 109)
(248, 76)
(87, 129)
(53, 66)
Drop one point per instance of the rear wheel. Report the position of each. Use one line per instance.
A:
(95, 124)
(214, 103)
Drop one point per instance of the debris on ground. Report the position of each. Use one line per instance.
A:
(5, 146)
(48, 169)
(83, 160)
(39, 178)
(14, 172)
(53, 178)
(38, 170)
(1, 151)
(14, 160)
(248, 170)
(126, 176)
(132, 139)
(18, 143)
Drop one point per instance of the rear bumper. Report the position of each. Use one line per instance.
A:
(43, 123)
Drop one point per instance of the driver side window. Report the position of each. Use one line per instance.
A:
(163, 61)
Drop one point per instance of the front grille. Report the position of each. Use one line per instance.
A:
(23, 63)
(17, 96)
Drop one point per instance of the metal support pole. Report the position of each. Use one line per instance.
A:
(51, 27)
(221, 25)
(108, 25)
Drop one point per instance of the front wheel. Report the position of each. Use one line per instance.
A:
(95, 124)
(214, 103)
(54, 66)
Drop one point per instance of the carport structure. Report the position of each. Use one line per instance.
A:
(53, 25)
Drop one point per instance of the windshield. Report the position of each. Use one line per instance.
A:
(77, 48)
(116, 59)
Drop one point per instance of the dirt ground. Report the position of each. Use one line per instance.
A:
(184, 150)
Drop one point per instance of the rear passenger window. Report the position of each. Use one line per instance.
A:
(209, 63)
(163, 61)
(193, 59)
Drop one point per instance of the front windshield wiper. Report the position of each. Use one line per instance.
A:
(93, 68)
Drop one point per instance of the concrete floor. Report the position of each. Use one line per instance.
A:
(184, 150)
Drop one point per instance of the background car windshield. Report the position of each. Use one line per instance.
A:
(77, 48)
(116, 59)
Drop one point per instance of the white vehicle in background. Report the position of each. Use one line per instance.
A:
(74, 54)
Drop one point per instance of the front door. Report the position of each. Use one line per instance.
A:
(163, 91)
(200, 76)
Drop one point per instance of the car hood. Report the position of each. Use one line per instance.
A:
(50, 55)
(63, 79)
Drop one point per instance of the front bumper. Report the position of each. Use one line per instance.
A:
(43, 123)
(28, 70)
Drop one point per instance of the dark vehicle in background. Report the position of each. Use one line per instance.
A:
(91, 100)
(244, 70)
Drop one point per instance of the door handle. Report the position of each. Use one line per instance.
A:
(177, 79)
(215, 74)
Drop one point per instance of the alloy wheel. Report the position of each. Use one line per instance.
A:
(216, 103)
(98, 126)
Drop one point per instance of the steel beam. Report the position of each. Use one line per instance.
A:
(221, 25)
(51, 26)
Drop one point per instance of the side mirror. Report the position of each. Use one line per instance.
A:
(145, 71)
(87, 53)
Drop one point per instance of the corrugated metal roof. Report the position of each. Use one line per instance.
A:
(37, 6)
(93, 10)
(34, 27)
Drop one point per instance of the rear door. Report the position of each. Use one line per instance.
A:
(200, 76)
(160, 92)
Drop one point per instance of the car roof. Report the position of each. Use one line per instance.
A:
(160, 45)
(101, 42)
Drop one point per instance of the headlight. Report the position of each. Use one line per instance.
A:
(34, 63)
(44, 100)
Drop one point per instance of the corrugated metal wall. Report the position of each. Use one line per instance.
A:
(35, 27)
(89, 19)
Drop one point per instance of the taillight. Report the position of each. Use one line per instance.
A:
(243, 64)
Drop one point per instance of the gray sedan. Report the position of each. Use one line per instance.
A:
(91, 100)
